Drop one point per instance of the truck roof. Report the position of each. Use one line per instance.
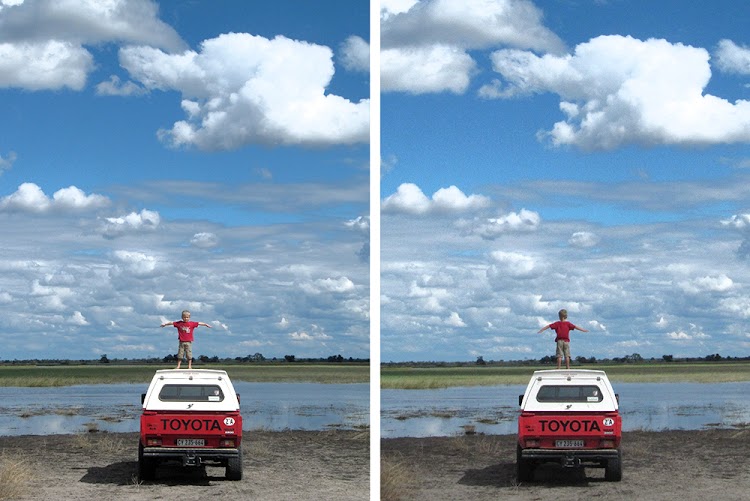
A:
(569, 373)
(191, 377)
(182, 373)
(570, 378)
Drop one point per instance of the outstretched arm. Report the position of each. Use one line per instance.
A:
(205, 325)
(582, 330)
(168, 323)
(543, 329)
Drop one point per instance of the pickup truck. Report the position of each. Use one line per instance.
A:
(571, 417)
(192, 417)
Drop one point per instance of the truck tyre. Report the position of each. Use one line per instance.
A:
(524, 467)
(234, 467)
(613, 470)
(146, 466)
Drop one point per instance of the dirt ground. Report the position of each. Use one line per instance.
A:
(331, 465)
(669, 465)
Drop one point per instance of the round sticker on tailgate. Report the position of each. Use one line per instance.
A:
(607, 421)
(229, 421)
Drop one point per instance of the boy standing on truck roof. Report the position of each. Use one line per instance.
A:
(185, 330)
(562, 328)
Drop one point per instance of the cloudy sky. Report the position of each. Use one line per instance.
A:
(589, 155)
(157, 156)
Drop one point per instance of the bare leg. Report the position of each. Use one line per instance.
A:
(559, 359)
(567, 362)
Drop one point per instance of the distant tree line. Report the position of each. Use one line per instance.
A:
(634, 358)
(256, 358)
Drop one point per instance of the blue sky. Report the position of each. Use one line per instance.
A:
(588, 155)
(157, 156)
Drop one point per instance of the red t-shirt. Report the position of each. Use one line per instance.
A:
(562, 328)
(185, 329)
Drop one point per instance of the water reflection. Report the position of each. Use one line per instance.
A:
(494, 409)
(117, 408)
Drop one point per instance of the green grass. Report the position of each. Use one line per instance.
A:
(422, 378)
(66, 375)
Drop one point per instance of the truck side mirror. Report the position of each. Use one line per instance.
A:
(617, 397)
(238, 398)
(143, 398)
(520, 400)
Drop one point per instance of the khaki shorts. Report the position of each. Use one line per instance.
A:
(563, 349)
(186, 348)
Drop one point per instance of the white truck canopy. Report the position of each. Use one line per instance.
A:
(569, 390)
(191, 389)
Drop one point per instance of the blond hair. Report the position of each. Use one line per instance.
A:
(563, 314)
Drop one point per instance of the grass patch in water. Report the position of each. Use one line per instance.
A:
(425, 378)
(68, 375)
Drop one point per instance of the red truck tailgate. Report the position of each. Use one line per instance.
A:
(173, 426)
(575, 430)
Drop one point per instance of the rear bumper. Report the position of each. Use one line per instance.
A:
(190, 456)
(570, 456)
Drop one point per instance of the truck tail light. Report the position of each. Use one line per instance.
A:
(153, 442)
(226, 442)
(607, 444)
(532, 442)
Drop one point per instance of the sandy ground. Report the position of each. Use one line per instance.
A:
(669, 465)
(330, 465)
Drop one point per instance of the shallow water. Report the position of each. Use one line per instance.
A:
(494, 409)
(117, 407)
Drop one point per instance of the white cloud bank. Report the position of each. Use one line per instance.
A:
(426, 44)
(240, 89)
(43, 42)
(614, 90)
(617, 90)
(652, 289)
(237, 89)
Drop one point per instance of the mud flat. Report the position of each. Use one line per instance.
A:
(102, 466)
(665, 465)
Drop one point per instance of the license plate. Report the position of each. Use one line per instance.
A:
(190, 442)
(568, 443)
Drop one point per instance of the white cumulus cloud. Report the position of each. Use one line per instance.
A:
(204, 240)
(136, 263)
(115, 87)
(618, 90)
(42, 42)
(29, 197)
(145, 220)
(341, 284)
(512, 264)
(354, 54)
(492, 228)
(739, 221)
(719, 283)
(455, 320)
(409, 198)
(426, 45)
(732, 58)
(583, 239)
(421, 70)
(241, 89)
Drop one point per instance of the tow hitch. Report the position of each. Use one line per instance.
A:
(571, 462)
(190, 459)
